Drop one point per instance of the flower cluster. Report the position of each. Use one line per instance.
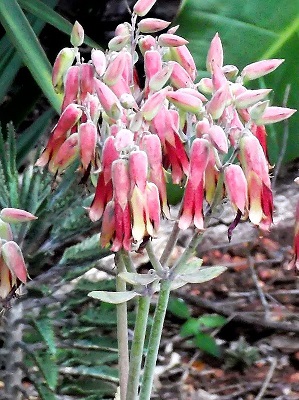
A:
(12, 265)
(130, 135)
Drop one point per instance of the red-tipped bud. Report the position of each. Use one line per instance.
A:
(202, 127)
(15, 215)
(108, 100)
(99, 61)
(77, 35)
(70, 116)
(170, 40)
(236, 186)
(274, 114)
(64, 60)
(218, 138)
(142, 7)
(14, 260)
(87, 143)
(260, 68)
(215, 53)
(118, 42)
(250, 97)
(151, 25)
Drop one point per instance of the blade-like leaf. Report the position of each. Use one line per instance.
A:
(257, 30)
(23, 38)
(47, 14)
(113, 297)
(137, 279)
(203, 275)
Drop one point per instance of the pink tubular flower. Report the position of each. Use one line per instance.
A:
(108, 100)
(71, 86)
(66, 154)
(274, 114)
(236, 186)
(115, 69)
(170, 40)
(99, 61)
(179, 77)
(87, 143)
(152, 146)
(194, 191)
(86, 80)
(256, 169)
(69, 117)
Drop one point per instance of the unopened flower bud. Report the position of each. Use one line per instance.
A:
(185, 101)
(183, 56)
(123, 29)
(71, 86)
(205, 85)
(87, 142)
(5, 231)
(99, 61)
(215, 53)
(142, 7)
(86, 79)
(66, 154)
(77, 35)
(236, 186)
(108, 100)
(179, 77)
(151, 25)
(275, 114)
(153, 104)
(260, 68)
(258, 109)
(170, 40)
(115, 69)
(14, 260)
(218, 138)
(160, 78)
(64, 60)
(146, 43)
(218, 102)
(69, 117)
(118, 42)
(15, 215)
(250, 97)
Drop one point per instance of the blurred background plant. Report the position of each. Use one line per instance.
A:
(51, 244)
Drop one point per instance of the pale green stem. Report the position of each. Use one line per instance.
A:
(122, 331)
(136, 352)
(154, 341)
(170, 244)
(126, 257)
(153, 259)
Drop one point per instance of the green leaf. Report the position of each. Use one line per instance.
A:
(44, 392)
(45, 329)
(47, 14)
(138, 279)
(190, 327)
(25, 41)
(207, 343)
(190, 266)
(203, 275)
(178, 307)
(113, 297)
(212, 320)
(48, 368)
(258, 30)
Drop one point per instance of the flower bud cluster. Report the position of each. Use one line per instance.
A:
(131, 135)
(12, 265)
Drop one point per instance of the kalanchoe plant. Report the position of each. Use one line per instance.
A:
(209, 136)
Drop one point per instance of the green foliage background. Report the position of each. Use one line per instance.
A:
(251, 30)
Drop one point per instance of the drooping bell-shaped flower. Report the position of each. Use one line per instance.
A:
(255, 167)
(192, 208)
